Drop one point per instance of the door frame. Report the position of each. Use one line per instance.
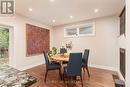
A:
(11, 45)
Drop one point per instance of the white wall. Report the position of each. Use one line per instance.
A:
(19, 59)
(103, 46)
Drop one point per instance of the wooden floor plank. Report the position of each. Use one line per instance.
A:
(99, 78)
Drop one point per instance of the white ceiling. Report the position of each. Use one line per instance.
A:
(45, 11)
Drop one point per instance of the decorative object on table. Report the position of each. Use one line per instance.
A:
(69, 45)
(38, 40)
(63, 50)
(52, 52)
(10, 77)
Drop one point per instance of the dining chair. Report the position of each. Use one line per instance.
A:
(85, 61)
(62, 51)
(51, 65)
(74, 67)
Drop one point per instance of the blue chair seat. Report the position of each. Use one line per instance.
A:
(70, 73)
(54, 66)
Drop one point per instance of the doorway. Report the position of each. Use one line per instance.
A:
(4, 45)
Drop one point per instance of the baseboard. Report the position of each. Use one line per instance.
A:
(103, 67)
(30, 66)
(109, 68)
(91, 65)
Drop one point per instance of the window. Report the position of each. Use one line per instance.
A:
(71, 32)
(80, 30)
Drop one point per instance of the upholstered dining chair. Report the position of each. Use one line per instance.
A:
(74, 67)
(62, 51)
(85, 61)
(51, 65)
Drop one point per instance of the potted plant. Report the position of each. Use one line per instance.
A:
(52, 52)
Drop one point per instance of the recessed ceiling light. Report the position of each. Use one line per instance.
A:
(53, 21)
(96, 10)
(30, 9)
(52, 0)
(71, 17)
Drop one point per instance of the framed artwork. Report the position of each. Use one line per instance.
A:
(38, 40)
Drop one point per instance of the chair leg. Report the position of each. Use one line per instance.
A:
(63, 77)
(87, 71)
(84, 69)
(45, 75)
(68, 80)
(60, 74)
(81, 80)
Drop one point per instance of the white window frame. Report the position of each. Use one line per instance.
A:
(77, 27)
(67, 28)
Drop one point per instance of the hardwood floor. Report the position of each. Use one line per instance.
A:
(98, 78)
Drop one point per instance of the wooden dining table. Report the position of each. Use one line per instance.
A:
(60, 58)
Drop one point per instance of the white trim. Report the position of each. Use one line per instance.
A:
(109, 68)
(103, 67)
(31, 66)
(91, 65)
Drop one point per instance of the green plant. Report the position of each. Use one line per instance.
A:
(4, 38)
(52, 52)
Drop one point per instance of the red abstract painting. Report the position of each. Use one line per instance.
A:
(38, 40)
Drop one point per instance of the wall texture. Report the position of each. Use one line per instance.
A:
(103, 46)
(18, 57)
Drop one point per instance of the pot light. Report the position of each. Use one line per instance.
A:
(71, 17)
(52, 0)
(30, 9)
(96, 10)
(53, 21)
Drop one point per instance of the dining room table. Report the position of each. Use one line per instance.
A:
(60, 57)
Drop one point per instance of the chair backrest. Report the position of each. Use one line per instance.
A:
(85, 56)
(46, 58)
(63, 50)
(74, 66)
